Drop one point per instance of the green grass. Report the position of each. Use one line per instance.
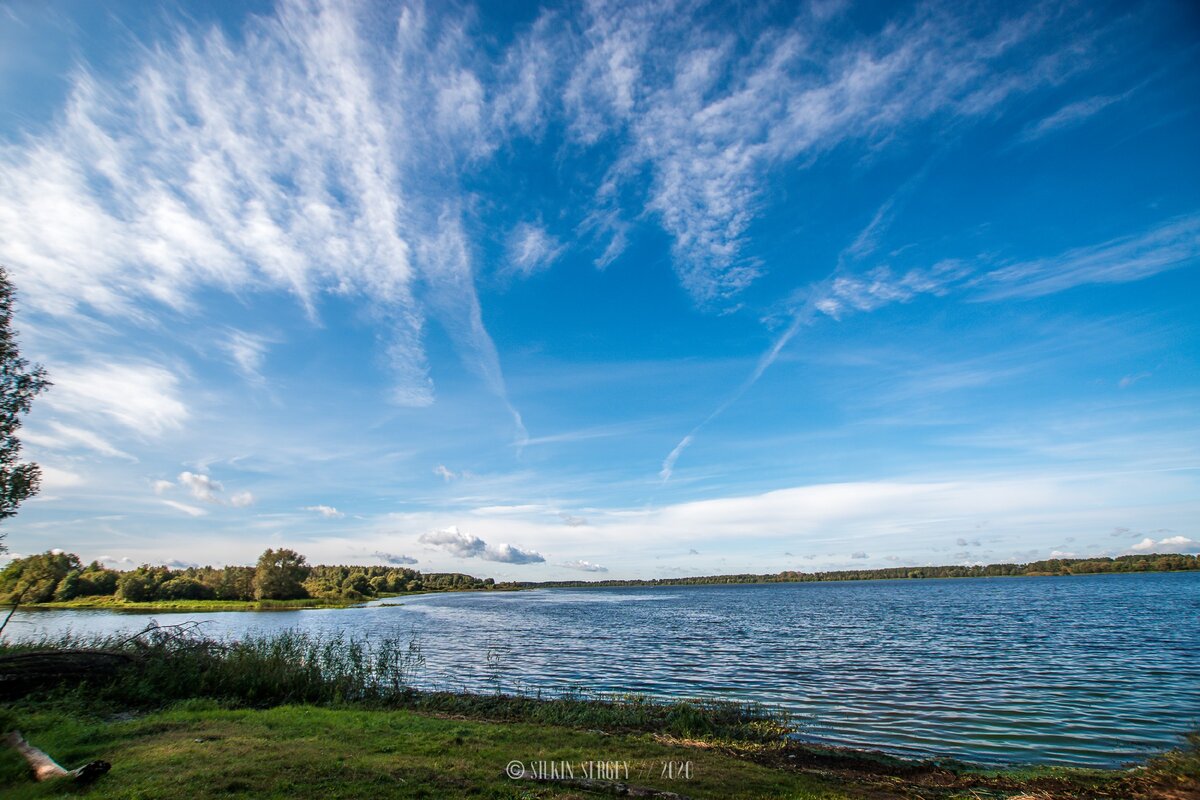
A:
(199, 750)
(113, 603)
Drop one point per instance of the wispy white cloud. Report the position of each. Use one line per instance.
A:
(445, 473)
(248, 352)
(800, 318)
(241, 500)
(1129, 380)
(532, 249)
(1170, 245)
(879, 287)
(142, 397)
(190, 510)
(56, 478)
(710, 114)
(328, 512)
(68, 437)
(301, 156)
(1070, 115)
(446, 254)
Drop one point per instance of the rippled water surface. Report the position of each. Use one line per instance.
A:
(1082, 670)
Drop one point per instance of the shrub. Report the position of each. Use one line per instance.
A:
(184, 588)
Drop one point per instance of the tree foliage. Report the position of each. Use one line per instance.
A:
(53, 575)
(280, 575)
(19, 384)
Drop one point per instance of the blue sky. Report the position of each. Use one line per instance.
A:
(606, 289)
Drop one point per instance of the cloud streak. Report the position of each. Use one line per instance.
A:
(277, 161)
(710, 114)
(1173, 244)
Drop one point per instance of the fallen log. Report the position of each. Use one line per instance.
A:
(45, 768)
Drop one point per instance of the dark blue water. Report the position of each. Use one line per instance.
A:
(1093, 670)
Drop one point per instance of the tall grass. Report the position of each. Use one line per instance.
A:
(174, 663)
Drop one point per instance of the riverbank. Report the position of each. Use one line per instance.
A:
(113, 603)
(200, 749)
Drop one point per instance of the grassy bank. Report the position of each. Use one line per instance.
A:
(290, 715)
(112, 603)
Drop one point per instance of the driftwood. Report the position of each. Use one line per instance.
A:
(33, 670)
(615, 788)
(45, 768)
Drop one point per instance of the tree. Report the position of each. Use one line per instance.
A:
(19, 384)
(141, 585)
(279, 575)
(36, 578)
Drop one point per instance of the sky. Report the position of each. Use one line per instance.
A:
(604, 289)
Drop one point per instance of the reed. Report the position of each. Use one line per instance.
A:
(173, 663)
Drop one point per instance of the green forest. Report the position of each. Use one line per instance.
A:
(279, 575)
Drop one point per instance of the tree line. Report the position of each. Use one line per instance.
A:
(279, 575)
(1154, 562)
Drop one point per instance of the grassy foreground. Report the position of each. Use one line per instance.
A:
(199, 749)
(305, 751)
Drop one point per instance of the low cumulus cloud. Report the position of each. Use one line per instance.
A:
(583, 566)
(462, 545)
(202, 487)
(574, 522)
(961, 542)
(860, 554)
(1171, 544)
(392, 558)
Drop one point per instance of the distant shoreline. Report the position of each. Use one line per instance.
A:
(1122, 565)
